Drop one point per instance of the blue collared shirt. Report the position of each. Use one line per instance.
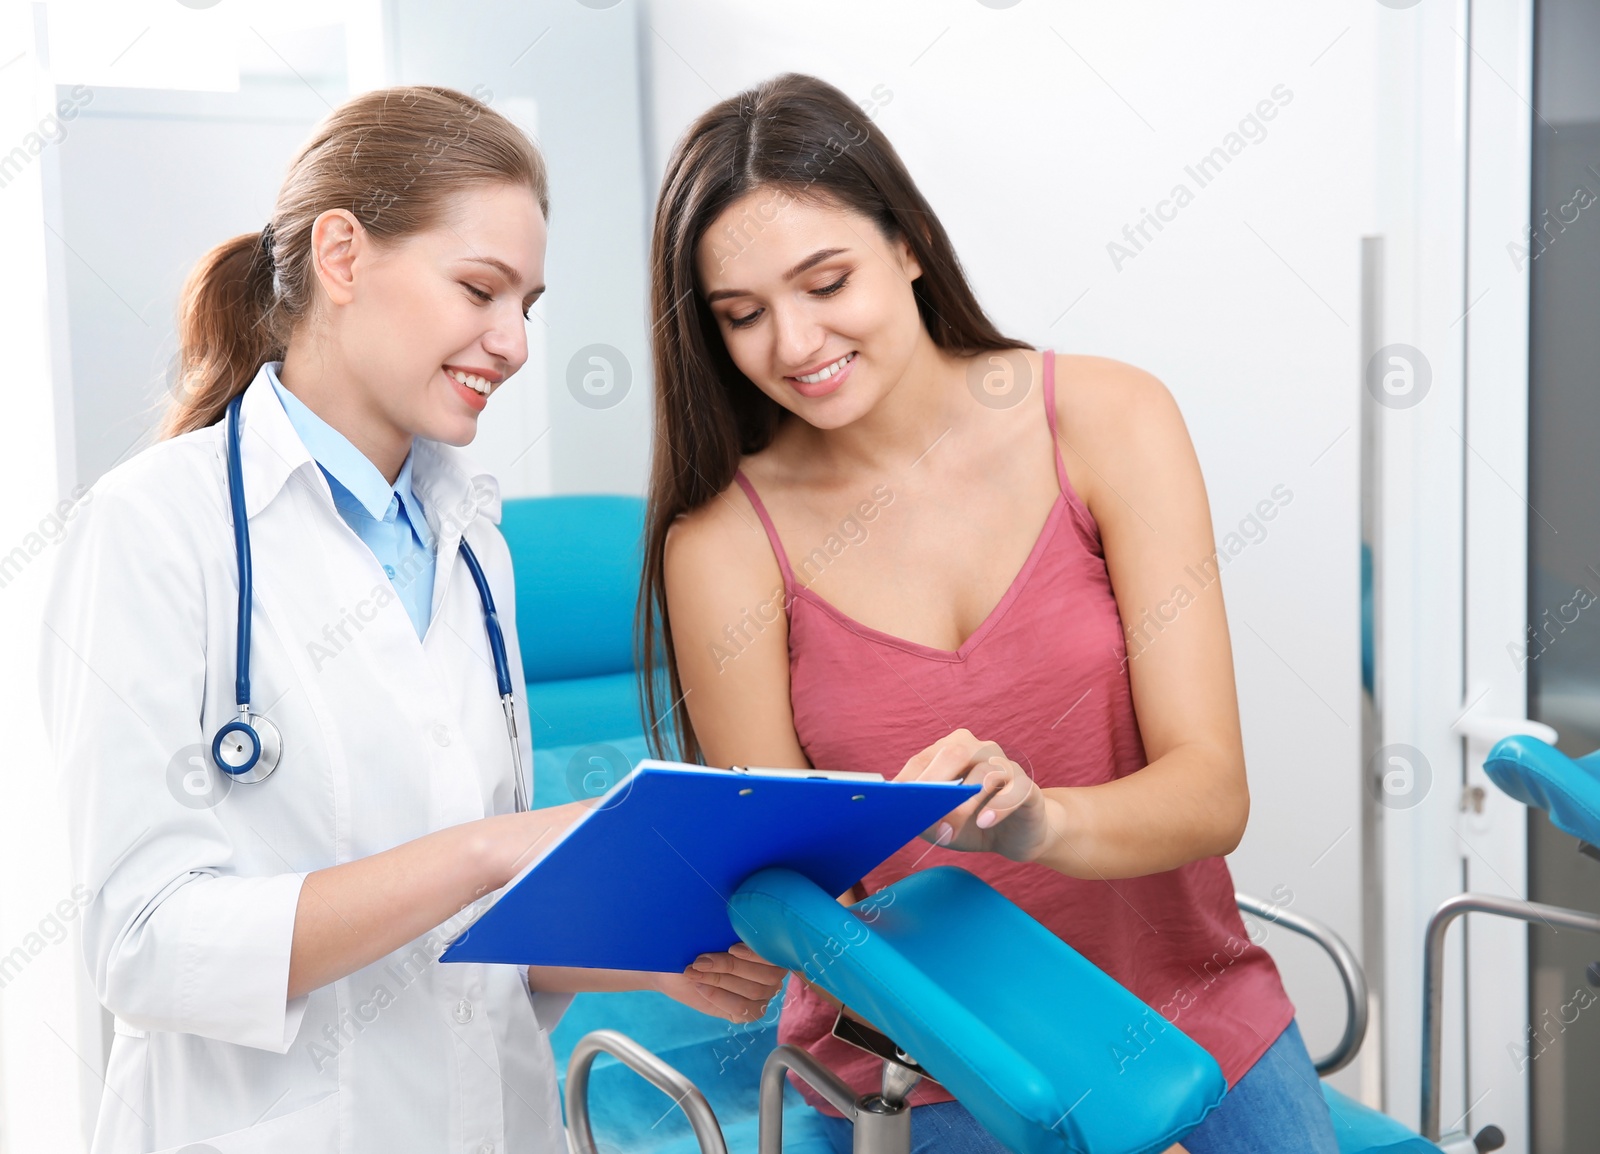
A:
(387, 517)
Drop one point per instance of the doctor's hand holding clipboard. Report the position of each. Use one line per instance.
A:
(277, 669)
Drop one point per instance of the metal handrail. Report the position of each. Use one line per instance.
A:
(1433, 975)
(1350, 973)
(649, 1067)
(821, 1079)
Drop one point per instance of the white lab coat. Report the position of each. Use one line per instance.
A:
(386, 738)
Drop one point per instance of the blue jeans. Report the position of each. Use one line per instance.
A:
(1276, 1107)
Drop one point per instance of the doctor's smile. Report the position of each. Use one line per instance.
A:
(476, 385)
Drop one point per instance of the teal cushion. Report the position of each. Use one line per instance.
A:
(1024, 1031)
(575, 711)
(577, 561)
(1542, 777)
(1362, 1130)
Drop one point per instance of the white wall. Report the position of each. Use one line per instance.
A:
(1038, 132)
(579, 64)
(43, 1029)
(195, 168)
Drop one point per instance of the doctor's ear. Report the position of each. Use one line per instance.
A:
(338, 240)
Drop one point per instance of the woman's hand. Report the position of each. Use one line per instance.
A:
(736, 985)
(1010, 816)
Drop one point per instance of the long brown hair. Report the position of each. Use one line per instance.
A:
(394, 157)
(793, 134)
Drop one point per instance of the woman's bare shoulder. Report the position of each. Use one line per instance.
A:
(1097, 392)
(1115, 422)
(720, 547)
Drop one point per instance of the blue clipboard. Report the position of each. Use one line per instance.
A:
(642, 881)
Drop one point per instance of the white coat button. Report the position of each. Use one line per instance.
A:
(486, 1148)
(463, 1011)
(441, 734)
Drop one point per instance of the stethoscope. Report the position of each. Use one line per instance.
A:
(248, 749)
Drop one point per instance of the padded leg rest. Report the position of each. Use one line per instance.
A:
(1049, 1053)
(1542, 777)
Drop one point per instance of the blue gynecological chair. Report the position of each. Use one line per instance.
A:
(1541, 777)
(1030, 1054)
(1030, 1050)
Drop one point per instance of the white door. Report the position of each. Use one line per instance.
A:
(1491, 829)
(1449, 378)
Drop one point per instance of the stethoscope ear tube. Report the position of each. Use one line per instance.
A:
(241, 545)
(247, 749)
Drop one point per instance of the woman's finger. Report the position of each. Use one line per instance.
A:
(989, 783)
(948, 763)
(739, 987)
(912, 770)
(726, 1004)
(934, 763)
(755, 991)
(744, 952)
(752, 969)
(1015, 789)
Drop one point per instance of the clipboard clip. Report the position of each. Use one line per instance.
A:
(806, 774)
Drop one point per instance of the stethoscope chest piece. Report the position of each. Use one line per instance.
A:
(247, 749)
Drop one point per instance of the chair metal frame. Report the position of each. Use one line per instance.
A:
(1433, 982)
(881, 1121)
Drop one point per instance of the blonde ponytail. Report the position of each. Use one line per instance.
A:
(225, 332)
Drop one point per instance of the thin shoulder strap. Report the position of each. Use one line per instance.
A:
(1050, 415)
(772, 532)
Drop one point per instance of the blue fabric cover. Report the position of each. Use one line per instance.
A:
(1047, 1052)
(1362, 1130)
(1542, 777)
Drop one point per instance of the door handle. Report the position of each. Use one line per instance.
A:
(1476, 725)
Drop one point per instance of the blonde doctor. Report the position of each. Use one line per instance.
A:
(266, 935)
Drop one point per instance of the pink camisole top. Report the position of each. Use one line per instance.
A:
(1045, 675)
